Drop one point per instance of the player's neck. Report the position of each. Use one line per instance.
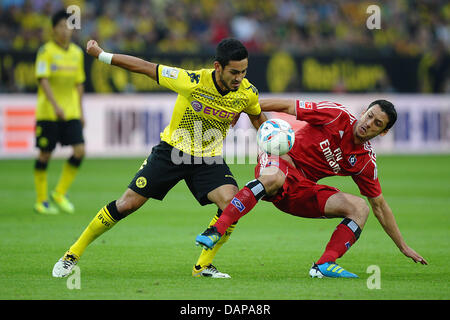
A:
(219, 85)
(64, 45)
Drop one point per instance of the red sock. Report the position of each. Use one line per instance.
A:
(341, 240)
(242, 203)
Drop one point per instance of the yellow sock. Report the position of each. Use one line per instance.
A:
(101, 223)
(207, 256)
(68, 174)
(40, 181)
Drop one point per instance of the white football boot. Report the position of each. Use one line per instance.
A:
(64, 266)
(208, 271)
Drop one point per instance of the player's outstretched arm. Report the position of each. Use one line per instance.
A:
(386, 218)
(127, 62)
(278, 105)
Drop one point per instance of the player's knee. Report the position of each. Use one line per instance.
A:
(79, 152)
(272, 179)
(128, 204)
(359, 211)
(225, 200)
(223, 195)
(44, 157)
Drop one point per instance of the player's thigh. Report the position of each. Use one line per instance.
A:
(212, 183)
(71, 132)
(298, 195)
(347, 205)
(158, 174)
(47, 135)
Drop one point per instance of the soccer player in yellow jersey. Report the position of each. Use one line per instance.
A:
(59, 114)
(190, 147)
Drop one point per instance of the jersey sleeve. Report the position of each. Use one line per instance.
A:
(320, 113)
(367, 181)
(80, 76)
(253, 107)
(42, 66)
(178, 80)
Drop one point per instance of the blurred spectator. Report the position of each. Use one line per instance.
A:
(408, 27)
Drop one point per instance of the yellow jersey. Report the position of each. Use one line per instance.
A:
(203, 112)
(65, 70)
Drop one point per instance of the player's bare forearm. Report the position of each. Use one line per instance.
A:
(278, 105)
(124, 61)
(80, 90)
(257, 120)
(384, 214)
(387, 220)
(45, 85)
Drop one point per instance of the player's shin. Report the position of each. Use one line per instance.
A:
(343, 237)
(241, 204)
(40, 181)
(68, 174)
(105, 219)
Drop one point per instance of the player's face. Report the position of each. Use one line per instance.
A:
(232, 75)
(61, 32)
(372, 123)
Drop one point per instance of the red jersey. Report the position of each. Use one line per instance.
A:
(324, 147)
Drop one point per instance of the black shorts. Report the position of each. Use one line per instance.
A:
(159, 173)
(49, 133)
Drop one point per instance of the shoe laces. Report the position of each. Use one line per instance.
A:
(212, 269)
(69, 260)
(210, 231)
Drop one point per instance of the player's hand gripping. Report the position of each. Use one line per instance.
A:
(93, 49)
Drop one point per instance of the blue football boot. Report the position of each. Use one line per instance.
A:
(330, 270)
(209, 238)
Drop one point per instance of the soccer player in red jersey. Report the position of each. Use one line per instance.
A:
(333, 142)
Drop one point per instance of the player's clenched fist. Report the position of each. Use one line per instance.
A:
(93, 49)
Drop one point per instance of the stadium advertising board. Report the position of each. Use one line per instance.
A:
(130, 124)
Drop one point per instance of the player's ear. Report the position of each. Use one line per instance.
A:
(217, 66)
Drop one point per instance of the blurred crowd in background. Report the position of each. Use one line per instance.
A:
(408, 27)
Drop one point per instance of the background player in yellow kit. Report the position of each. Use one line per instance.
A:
(191, 145)
(59, 114)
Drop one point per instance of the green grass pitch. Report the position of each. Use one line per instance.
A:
(149, 255)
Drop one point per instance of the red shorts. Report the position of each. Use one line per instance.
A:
(299, 196)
